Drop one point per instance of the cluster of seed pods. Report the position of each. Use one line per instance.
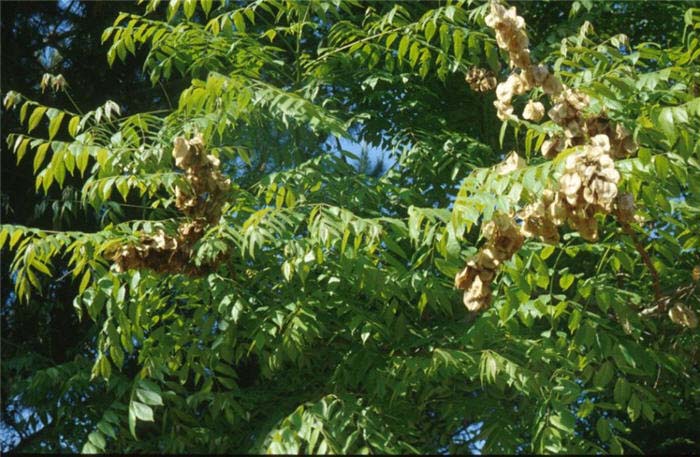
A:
(588, 185)
(201, 200)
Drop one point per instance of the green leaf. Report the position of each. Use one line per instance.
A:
(15, 237)
(238, 21)
(38, 265)
(149, 397)
(244, 155)
(492, 57)
(107, 429)
(502, 133)
(22, 149)
(604, 374)
(132, 422)
(123, 187)
(89, 448)
(189, 7)
(429, 30)
(55, 124)
(403, 47)
(35, 118)
(565, 421)
(458, 43)
(141, 411)
(414, 53)
(622, 391)
(546, 252)
(634, 407)
(23, 111)
(665, 121)
(206, 6)
(661, 165)
(603, 429)
(82, 160)
(566, 280)
(40, 155)
(73, 126)
(97, 440)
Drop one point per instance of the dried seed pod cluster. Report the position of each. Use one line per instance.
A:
(503, 240)
(567, 112)
(590, 175)
(510, 34)
(587, 187)
(683, 315)
(511, 37)
(207, 185)
(481, 80)
(542, 219)
(202, 202)
(622, 144)
(567, 104)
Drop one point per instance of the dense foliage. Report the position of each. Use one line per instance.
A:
(245, 283)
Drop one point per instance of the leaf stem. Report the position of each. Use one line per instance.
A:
(645, 257)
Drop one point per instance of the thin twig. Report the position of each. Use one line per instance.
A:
(645, 257)
(165, 92)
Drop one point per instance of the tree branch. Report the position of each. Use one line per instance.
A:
(646, 258)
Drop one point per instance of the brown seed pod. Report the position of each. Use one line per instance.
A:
(511, 163)
(534, 111)
(682, 315)
(478, 296)
(537, 223)
(202, 200)
(481, 80)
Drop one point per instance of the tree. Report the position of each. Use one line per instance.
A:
(257, 287)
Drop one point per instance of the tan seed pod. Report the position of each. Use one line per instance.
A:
(536, 223)
(505, 92)
(552, 147)
(488, 259)
(570, 183)
(504, 111)
(465, 277)
(478, 296)
(552, 86)
(558, 113)
(682, 315)
(602, 142)
(696, 273)
(533, 111)
(535, 75)
(557, 210)
(511, 163)
(481, 80)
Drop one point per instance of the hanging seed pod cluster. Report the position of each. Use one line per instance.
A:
(588, 185)
(568, 104)
(207, 185)
(481, 80)
(201, 200)
(503, 240)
